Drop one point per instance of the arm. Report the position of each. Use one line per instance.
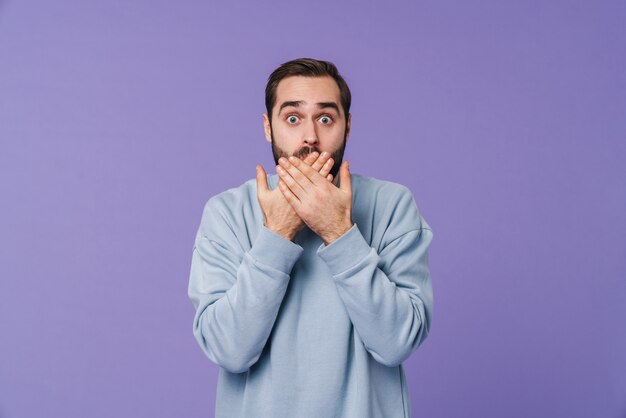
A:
(236, 294)
(387, 294)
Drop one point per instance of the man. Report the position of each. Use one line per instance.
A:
(311, 288)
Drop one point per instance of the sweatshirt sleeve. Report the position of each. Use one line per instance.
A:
(237, 294)
(387, 293)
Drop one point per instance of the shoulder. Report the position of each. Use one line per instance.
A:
(386, 196)
(392, 206)
(380, 188)
(225, 209)
(231, 198)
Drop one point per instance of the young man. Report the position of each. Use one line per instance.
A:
(311, 288)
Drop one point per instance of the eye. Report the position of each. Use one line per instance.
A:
(326, 120)
(292, 119)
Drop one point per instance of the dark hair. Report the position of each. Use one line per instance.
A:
(307, 67)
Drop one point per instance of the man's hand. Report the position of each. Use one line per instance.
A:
(278, 213)
(325, 208)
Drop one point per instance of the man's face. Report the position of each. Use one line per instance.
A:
(307, 117)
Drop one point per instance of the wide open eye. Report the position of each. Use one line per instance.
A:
(292, 119)
(326, 120)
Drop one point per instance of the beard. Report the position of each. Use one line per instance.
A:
(336, 155)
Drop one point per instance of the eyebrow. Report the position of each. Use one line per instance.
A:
(297, 103)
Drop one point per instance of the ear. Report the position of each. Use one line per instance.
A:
(348, 126)
(266, 126)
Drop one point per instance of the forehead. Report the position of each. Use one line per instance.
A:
(309, 89)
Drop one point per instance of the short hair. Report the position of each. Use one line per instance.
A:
(307, 67)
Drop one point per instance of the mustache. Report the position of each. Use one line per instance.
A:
(304, 151)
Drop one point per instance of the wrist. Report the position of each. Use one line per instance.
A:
(286, 233)
(336, 233)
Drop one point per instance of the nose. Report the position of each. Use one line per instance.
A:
(310, 133)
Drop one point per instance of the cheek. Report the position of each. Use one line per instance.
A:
(332, 137)
(288, 136)
(285, 140)
(282, 130)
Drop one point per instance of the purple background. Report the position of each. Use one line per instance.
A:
(507, 120)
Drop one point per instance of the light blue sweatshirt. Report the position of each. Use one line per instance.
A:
(300, 329)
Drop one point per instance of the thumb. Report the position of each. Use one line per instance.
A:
(261, 181)
(345, 182)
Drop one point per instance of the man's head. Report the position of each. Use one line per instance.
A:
(308, 109)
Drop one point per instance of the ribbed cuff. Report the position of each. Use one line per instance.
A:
(275, 251)
(345, 252)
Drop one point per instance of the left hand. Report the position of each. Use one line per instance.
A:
(324, 207)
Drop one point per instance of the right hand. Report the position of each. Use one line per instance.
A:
(278, 213)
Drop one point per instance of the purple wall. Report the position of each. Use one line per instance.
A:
(119, 119)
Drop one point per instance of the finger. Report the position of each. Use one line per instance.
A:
(329, 177)
(323, 164)
(291, 198)
(345, 182)
(327, 167)
(303, 173)
(319, 162)
(311, 158)
(292, 167)
(261, 181)
(293, 185)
